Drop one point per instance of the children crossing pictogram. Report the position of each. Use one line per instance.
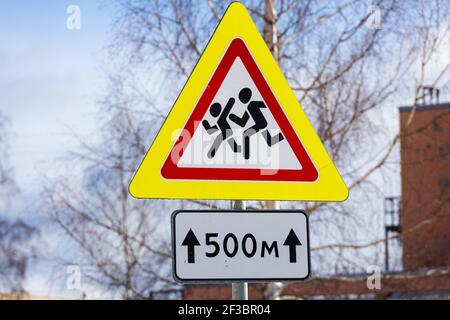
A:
(254, 109)
(226, 133)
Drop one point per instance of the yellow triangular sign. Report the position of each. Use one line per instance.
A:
(237, 130)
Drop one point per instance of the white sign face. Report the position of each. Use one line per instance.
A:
(225, 246)
(237, 117)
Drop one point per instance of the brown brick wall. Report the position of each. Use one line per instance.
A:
(425, 172)
(219, 292)
(437, 281)
(400, 283)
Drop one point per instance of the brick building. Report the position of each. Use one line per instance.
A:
(425, 170)
(423, 225)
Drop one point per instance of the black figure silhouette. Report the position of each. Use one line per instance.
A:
(253, 111)
(222, 124)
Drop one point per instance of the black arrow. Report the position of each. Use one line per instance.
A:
(292, 241)
(190, 241)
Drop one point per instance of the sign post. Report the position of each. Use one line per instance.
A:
(239, 290)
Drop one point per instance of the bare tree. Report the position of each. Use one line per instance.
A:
(346, 70)
(16, 249)
(121, 241)
(7, 184)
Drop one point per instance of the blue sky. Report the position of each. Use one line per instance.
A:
(50, 80)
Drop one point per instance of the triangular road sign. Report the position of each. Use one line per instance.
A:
(237, 130)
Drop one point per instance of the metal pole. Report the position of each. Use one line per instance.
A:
(273, 289)
(239, 290)
(386, 249)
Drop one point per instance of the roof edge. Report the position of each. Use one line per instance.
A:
(425, 107)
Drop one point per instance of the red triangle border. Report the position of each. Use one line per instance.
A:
(171, 171)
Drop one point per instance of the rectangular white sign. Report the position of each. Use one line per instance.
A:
(225, 246)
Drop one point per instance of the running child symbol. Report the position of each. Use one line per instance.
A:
(254, 111)
(222, 124)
